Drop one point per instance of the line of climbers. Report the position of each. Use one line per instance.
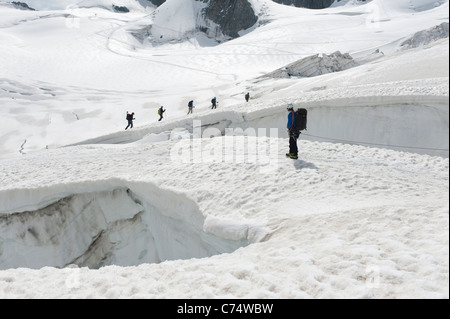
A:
(296, 122)
(130, 116)
(214, 103)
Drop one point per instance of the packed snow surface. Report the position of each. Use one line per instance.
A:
(207, 205)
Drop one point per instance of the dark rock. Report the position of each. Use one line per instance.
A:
(157, 2)
(120, 9)
(22, 6)
(311, 4)
(231, 15)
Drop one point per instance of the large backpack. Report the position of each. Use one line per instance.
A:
(191, 103)
(159, 111)
(129, 116)
(300, 119)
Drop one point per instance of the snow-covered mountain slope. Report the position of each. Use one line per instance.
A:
(208, 205)
(83, 68)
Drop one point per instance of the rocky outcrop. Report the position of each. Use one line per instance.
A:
(157, 2)
(231, 16)
(311, 4)
(226, 18)
(221, 20)
(120, 9)
(22, 6)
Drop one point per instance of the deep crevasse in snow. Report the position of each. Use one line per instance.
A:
(111, 227)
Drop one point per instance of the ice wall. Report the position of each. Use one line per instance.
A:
(315, 65)
(113, 227)
(417, 124)
(411, 123)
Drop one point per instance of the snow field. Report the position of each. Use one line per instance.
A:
(349, 232)
(179, 208)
